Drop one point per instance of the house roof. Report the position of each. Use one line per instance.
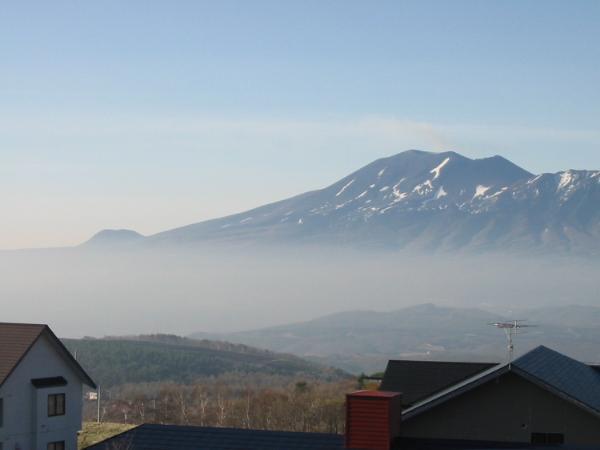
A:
(16, 339)
(563, 376)
(174, 437)
(449, 444)
(418, 380)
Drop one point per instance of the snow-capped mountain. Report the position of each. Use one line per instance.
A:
(426, 201)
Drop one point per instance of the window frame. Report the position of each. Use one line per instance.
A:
(547, 438)
(53, 405)
(56, 445)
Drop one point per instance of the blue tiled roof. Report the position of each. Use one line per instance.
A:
(572, 378)
(171, 437)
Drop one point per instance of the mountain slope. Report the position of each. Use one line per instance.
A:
(425, 201)
(162, 358)
(113, 238)
(364, 340)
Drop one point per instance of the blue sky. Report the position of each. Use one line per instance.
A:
(154, 114)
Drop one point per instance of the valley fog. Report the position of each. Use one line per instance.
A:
(169, 290)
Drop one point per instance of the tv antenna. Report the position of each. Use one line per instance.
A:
(511, 329)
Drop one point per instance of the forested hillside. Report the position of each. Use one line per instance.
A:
(166, 358)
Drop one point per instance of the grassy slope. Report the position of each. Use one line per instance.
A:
(95, 432)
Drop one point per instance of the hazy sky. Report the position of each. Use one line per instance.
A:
(150, 115)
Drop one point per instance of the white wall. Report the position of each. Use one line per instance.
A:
(26, 422)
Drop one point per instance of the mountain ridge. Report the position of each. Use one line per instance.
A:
(424, 201)
(363, 340)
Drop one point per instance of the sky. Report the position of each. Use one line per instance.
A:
(152, 115)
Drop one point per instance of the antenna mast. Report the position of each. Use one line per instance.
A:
(511, 329)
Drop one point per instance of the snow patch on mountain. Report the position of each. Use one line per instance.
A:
(346, 186)
(441, 193)
(566, 178)
(436, 171)
(480, 190)
(423, 188)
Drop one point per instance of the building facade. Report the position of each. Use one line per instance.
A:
(41, 390)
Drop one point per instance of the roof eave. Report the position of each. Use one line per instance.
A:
(87, 380)
(453, 392)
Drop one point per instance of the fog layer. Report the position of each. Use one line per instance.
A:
(82, 292)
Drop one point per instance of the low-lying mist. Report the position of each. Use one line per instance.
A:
(88, 292)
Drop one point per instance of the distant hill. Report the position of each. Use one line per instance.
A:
(161, 358)
(425, 201)
(109, 238)
(363, 341)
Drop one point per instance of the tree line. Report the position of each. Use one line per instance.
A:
(231, 400)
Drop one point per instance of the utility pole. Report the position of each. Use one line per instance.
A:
(98, 404)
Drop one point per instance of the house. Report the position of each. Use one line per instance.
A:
(41, 390)
(543, 397)
(539, 400)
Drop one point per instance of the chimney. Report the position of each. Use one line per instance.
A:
(373, 419)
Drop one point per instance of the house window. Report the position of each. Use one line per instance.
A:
(59, 445)
(56, 405)
(547, 438)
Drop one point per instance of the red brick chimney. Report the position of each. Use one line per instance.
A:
(373, 419)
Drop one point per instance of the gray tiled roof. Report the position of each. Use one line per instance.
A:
(172, 437)
(565, 375)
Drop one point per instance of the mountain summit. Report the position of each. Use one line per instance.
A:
(426, 201)
(113, 238)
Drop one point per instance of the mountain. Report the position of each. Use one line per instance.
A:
(419, 200)
(113, 237)
(166, 358)
(363, 341)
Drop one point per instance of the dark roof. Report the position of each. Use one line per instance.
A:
(16, 339)
(563, 376)
(417, 380)
(174, 437)
(448, 444)
(566, 376)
